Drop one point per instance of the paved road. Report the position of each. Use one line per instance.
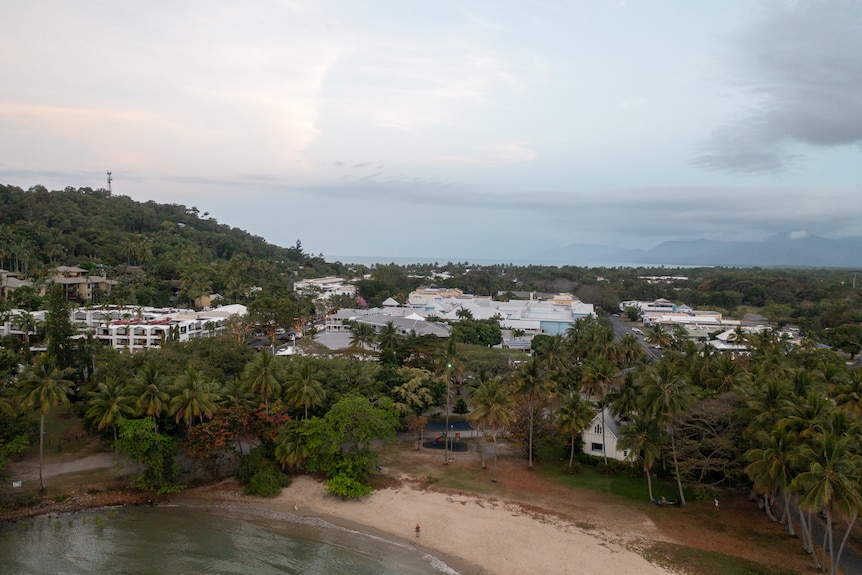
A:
(622, 327)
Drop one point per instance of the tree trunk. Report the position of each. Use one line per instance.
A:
(572, 452)
(530, 447)
(649, 482)
(767, 506)
(676, 467)
(788, 516)
(41, 452)
(604, 452)
(494, 472)
(844, 540)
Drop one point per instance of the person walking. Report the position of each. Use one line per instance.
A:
(715, 504)
(418, 529)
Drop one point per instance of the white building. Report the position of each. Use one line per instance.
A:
(138, 328)
(599, 445)
(325, 287)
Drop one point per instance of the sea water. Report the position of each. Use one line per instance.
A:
(193, 540)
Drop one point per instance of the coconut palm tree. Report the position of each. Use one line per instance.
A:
(361, 335)
(658, 336)
(831, 483)
(642, 437)
(236, 394)
(45, 386)
(264, 375)
(596, 379)
(491, 400)
(387, 337)
(151, 389)
(623, 401)
(666, 394)
(194, 397)
(573, 417)
(533, 385)
(304, 387)
(848, 395)
(771, 469)
(108, 403)
(725, 374)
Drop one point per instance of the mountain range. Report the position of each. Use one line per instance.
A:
(783, 250)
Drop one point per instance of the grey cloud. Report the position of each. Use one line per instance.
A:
(803, 63)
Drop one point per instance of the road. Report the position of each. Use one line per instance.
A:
(622, 327)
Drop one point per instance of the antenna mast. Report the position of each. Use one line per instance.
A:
(109, 182)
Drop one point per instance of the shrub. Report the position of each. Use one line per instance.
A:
(264, 483)
(346, 487)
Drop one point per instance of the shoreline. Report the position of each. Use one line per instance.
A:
(472, 534)
(76, 502)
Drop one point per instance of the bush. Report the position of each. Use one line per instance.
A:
(259, 475)
(346, 487)
(249, 465)
(575, 468)
(264, 483)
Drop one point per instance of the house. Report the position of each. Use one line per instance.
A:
(78, 284)
(9, 282)
(597, 444)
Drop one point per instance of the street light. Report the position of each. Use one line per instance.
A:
(446, 430)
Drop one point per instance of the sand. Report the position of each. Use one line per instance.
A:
(487, 536)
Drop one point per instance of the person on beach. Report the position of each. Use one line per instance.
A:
(418, 529)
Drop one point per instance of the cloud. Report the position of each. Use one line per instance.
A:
(802, 67)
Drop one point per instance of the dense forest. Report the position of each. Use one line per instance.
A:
(781, 422)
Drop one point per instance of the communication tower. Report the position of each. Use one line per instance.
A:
(109, 182)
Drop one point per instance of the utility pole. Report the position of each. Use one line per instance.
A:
(446, 431)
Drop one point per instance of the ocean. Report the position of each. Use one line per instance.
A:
(216, 539)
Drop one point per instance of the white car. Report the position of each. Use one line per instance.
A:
(637, 330)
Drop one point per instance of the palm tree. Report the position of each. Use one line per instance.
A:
(573, 417)
(45, 386)
(194, 397)
(263, 375)
(848, 395)
(630, 350)
(151, 388)
(658, 336)
(623, 401)
(642, 438)
(361, 335)
(533, 385)
(726, 373)
(597, 377)
(491, 402)
(304, 386)
(770, 467)
(236, 394)
(108, 403)
(830, 483)
(666, 394)
(388, 336)
(290, 445)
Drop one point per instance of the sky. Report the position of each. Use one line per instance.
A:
(448, 128)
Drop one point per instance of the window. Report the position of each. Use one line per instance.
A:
(597, 447)
(598, 429)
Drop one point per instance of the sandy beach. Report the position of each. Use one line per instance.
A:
(484, 535)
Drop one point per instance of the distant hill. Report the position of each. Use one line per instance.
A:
(778, 251)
